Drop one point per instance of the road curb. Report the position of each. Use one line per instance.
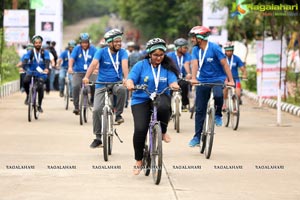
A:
(286, 107)
(9, 88)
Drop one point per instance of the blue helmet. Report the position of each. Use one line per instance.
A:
(84, 37)
(71, 43)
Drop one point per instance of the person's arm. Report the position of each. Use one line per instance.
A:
(227, 72)
(59, 62)
(194, 71)
(90, 70)
(244, 72)
(70, 65)
(125, 69)
(188, 70)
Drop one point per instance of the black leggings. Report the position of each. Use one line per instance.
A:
(40, 88)
(142, 115)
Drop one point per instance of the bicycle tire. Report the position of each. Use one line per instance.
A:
(81, 100)
(226, 115)
(156, 154)
(110, 133)
(235, 113)
(177, 116)
(104, 125)
(86, 107)
(203, 137)
(67, 95)
(30, 109)
(210, 134)
(146, 160)
(35, 110)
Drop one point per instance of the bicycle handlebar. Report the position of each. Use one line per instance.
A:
(105, 83)
(145, 88)
(210, 84)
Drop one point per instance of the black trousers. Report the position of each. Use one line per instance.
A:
(142, 116)
(40, 88)
(184, 86)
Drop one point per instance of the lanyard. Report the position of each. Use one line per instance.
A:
(85, 55)
(68, 55)
(201, 59)
(179, 62)
(37, 57)
(156, 76)
(115, 64)
(231, 61)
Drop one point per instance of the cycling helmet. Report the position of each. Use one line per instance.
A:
(84, 37)
(229, 46)
(180, 42)
(71, 43)
(155, 43)
(200, 32)
(112, 34)
(130, 44)
(35, 37)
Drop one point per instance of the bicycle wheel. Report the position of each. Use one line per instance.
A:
(146, 160)
(30, 108)
(177, 115)
(104, 124)
(110, 133)
(81, 105)
(67, 95)
(35, 110)
(226, 113)
(203, 135)
(235, 112)
(210, 132)
(156, 154)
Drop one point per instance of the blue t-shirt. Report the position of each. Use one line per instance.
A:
(236, 63)
(141, 73)
(65, 55)
(212, 69)
(107, 71)
(78, 56)
(33, 63)
(185, 58)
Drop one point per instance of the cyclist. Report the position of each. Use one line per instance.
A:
(36, 61)
(158, 72)
(208, 66)
(62, 63)
(113, 67)
(182, 59)
(81, 58)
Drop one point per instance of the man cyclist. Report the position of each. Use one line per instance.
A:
(81, 58)
(208, 66)
(234, 63)
(62, 63)
(182, 59)
(113, 66)
(36, 61)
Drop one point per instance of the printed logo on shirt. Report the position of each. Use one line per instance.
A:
(210, 59)
(107, 63)
(163, 79)
(80, 55)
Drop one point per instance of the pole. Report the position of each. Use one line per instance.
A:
(1, 43)
(262, 66)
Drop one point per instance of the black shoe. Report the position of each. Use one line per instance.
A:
(26, 101)
(76, 111)
(61, 94)
(40, 109)
(96, 143)
(119, 119)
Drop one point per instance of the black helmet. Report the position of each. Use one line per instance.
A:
(155, 43)
(180, 42)
(110, 35)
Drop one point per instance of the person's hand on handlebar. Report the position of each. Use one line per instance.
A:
(174, 86)
(129, 84)
(85, 80)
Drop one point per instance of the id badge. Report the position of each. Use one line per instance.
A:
(153, 95)
(85, 66)
(39, 69)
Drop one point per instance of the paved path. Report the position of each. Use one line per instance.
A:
(56, 140)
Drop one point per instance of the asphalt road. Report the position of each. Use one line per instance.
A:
(50, 158)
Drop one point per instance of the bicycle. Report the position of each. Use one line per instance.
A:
(152, 155)
(67, 92)
(176, 109)
(208, 133)
(107, 123)
(84, 104)
(232, 110)
(32, 105)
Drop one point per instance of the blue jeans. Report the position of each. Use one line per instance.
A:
(202, 97)
(62, 75)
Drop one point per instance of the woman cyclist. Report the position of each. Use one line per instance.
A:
(158, 72)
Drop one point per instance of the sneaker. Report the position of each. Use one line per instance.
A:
(61, 94)
(76, 111)
(184, 109)
(96, 143)
(218, 120)
(26, 101)
(40, 109)
(119, 119)
(194, 142)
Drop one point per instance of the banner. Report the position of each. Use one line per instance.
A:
(268, 67)
(36, 4)
(216, 20)
(16, 18)
(16, 35)
(49, 22)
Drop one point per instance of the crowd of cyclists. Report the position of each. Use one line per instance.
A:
(156, 66)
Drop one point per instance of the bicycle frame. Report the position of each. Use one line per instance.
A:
(176, 96)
